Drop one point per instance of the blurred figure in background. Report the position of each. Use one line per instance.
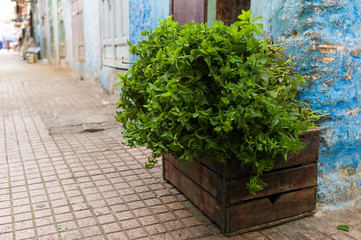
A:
(27, 40)
(7, 44)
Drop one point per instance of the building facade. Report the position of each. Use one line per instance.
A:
(90, 37)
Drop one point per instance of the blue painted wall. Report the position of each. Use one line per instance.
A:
(324, 36)
(144, 15)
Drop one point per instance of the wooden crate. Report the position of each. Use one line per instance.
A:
(220, 190)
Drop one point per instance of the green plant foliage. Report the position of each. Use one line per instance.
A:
(343, 227)
(61, 228)
(217, 92)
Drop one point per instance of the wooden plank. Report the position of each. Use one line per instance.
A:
(214, 165)
(308, 154)
(278, 182)
(204, 177)
(199, 197)
(261, 211)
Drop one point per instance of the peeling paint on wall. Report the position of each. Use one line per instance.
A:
(144, 15)
(326, 50)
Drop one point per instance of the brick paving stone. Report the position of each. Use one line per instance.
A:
(5, 212)
(341, 236)
(6, 236)
(165, 217)
(136, 204)
(25, 234)
(124, 215)
(83, 213)
(64, 217)
(141, 212)
(354, 233)
(70, 225)
(200, 231)
(155, 229)
(46, 230)
(117, 236)
(159, 209)
(148, 220)
(129, 224)
(174, 225)
(101, 211)
(91, 231)
(136, 233)
(6, 228)
(69, 235)
(19, 225)
(273, 234)
(86, 222)
(22, 216)
(111, 228)
(182, 234)
(314, 235)
(163, 236)
(106, 219)
(44, 221)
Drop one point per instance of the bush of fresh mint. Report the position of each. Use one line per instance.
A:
(220, 92)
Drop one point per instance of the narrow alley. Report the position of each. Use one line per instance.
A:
(65, 175)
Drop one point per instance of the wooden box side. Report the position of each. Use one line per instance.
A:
(197, 195)
(280, 181)
(308, 154)
(202, 175)
(262, 211)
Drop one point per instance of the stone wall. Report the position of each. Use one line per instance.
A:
(324, 38)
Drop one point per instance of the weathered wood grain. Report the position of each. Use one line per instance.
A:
(278, 181)
(260, 211)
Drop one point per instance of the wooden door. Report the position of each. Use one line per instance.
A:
(61, 29)
(43, 30)
(51, 26)
(115, 33)
(78, 30)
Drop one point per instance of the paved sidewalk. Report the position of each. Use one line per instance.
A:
(65, 175)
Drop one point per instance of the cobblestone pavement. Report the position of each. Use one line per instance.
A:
(60, 179)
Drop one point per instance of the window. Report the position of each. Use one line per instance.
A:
(228, 11)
